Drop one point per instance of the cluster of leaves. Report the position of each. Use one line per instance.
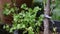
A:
(8, 9)
(23, 20)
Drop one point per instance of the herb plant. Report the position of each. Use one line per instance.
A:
(25, 19)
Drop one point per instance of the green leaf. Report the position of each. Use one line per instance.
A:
(24, 6)
(30, 30)
(36, 9)
(11, 30)
(18, 26)
(12, 10)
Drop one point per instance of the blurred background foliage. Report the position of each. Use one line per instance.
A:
(56, 10)
(55, 7)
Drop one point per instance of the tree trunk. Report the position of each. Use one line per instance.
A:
(46, 12)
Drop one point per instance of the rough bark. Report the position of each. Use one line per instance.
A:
(46, 12)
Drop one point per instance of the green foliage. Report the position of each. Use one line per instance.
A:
(56, 14)
(56, 10)
(30, 30)
(24, 19)
(37, 1)
(9, 10)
